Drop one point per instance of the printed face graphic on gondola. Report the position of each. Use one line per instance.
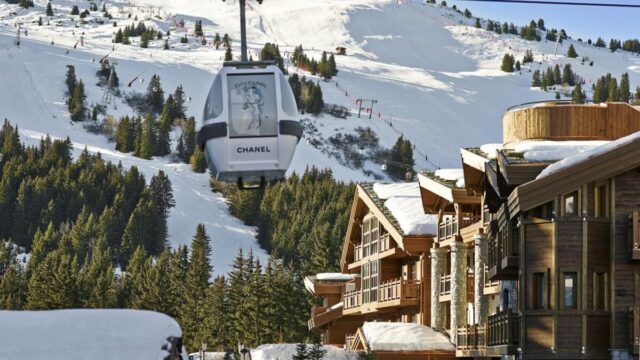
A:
(252, 105)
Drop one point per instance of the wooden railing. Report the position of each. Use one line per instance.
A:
(634, 229)
(352, 299)
(503, 329)
(634, 321)
(398, 289)
(450, 228)
(472, 337)
(488, 283)
(445, 285)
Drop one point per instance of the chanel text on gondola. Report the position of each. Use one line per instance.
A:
(253, 149)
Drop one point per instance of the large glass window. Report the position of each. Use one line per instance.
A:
(570, 290)
(539, 291)
(370, 282)
(252, 105)
(213, 106)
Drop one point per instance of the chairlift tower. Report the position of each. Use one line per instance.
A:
(109, 95)
(243, 30)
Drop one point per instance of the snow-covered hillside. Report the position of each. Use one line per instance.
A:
(435, 76)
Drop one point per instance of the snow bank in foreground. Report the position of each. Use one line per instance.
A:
(85, 334)
(452, 175)
(334, 276)
(404, 202)
(554, 150)
(286, 352)
(384, 336)
(588, 154)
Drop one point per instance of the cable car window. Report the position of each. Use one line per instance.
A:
(252, 105)
(213, 106)
(288, 101)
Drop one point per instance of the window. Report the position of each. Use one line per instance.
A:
(366, 237)
(370, 236)
(602, 201)
(570, 290)
(599, 291)
(539, 291)
(366, 283)
(375, 231)
(370, 282)
(570, 204)
(374, 282)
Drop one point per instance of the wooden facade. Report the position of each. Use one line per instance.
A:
(563, 249)
(391, 279)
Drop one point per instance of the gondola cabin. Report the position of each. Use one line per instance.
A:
(250, 126)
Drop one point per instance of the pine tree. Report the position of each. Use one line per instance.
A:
(624, 92)
(576, 95)
(148, 137)
(402, 153)
(571, 53)
(301, 352)
(518, 68)
(144, 40)
(162, 195)
(179, 101)
(141, 230)
(557, 77)
(478, 25)
(490, 26)
(332, 65)
(49, 11)
(166, 44)
(13, 289)
(192, 313)
(217, 41)
(155, 95)
(70, 79)
(198, 162)
(507, 63)
(163, 145)
(76, 103)
(536, 82)
(614, 93)
(567, 75)
(317, 351)
(228, 56)
(226, 41)
(75, 10)
(99, 279)
(189, 139)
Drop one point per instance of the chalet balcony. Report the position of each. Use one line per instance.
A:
(398, 292)
(321, 316)
(634, 229)
(490, 286)
(445, 287)
(352, 300)
(472, 341)
(449, 229)
(503, 257)
(503, 333)
(634, 321)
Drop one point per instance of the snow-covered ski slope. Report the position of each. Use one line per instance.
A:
(436, 79)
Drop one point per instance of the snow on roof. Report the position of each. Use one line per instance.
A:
(286, 352)
(85, 334)
(588, 154)
(334, 277)
(405, 203)
(386, 336)
(554, 150)
(490, 150)
(451, 175)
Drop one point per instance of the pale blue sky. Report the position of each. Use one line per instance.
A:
(579, 22)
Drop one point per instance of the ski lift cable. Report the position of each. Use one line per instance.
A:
(570, 3)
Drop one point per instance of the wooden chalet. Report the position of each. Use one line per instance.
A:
(390, 273)
(555, 244)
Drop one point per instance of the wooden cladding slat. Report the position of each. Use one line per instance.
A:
(570, 122)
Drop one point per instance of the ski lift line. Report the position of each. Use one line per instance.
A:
(570, 3)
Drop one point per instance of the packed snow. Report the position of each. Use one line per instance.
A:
(85, 334)
(490, 149)
(451, 175)
(334, 277)
(554, 150)
(442, 91)
(286, 352)
(387, 336)
(405, 203)
(586, 155)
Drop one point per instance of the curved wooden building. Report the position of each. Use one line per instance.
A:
(560, 121)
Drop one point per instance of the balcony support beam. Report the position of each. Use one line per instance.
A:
(481, 302)
(438, 262)
(459, 276)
